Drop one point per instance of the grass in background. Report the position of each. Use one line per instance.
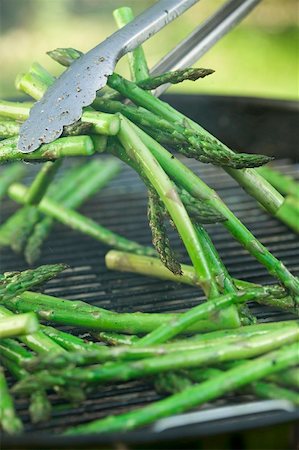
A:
(258, 58)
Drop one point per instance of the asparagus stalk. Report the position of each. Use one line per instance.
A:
(259, 388)
(71, 192)
(199, 211)
(69, 341)
(36, 341)
(36, 84)
(112, 338)
(272, 391)
(22, 229)
(148, 165)
(80, 223)
(200, 340)
(280, 208)
(38, 70)
(39, 407)
(160, 239)
(196, 187)
(82, 314)
(11, 350)
(42, 182)
(174, 77)
(168, 331)
(8, 176)
(9, 421)
(211, 149)
(15, 110)
(82, 353)
(125, 371)
(16, 229)
(196, 395)
(150, 266)
(9, 128)
(250, 179)
(18, 325)
(13, 283)
(285, 184)
(103, 124)
(20, 226)
(42, 344)
(172, 382)
(289, 212)
(273, 200)
(66, 146)
(200, 143)
(66, 56)
(73, 182)
(137, 62)
(288, 378)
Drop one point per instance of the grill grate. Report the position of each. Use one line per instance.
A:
(122, 207)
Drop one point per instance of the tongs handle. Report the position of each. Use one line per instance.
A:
(150, 22)
(203, 38)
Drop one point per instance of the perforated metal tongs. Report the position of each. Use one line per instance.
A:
(76, 88)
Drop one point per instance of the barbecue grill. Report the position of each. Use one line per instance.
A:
(248, 124)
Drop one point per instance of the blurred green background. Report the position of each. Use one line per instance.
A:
(258, 58)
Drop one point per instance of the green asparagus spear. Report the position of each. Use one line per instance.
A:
(9, 128)
(11, 350)
(259, 388)
(199, 211)
(160, 239)
(9, 421)
(22, 229)
(174, 77)
(39, 407)
(148, 165)
(272, 391)
(289, 212)
(196, 395)
(8, 176)
(82, 314)
(129, 370)
(136, 58)
(66, 146)
(18, 325)
(36, 85)
(150, 266)
(112, 338)
(42, 344)
(172, 382)
(71, 191)
(69, 341)
(168, 331)
(81, 223)
(15, 110)
(285, 184)
(42, 182)
(66, 56)
(82, 353)
(196, 187)
(13, 283)
(200, 144)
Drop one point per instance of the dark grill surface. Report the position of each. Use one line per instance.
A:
(122, 207)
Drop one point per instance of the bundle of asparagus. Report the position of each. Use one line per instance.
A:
(228, 349)
(47, 358)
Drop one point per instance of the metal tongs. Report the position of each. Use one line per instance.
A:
(76, 88)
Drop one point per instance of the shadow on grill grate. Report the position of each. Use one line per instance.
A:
(122, 208)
